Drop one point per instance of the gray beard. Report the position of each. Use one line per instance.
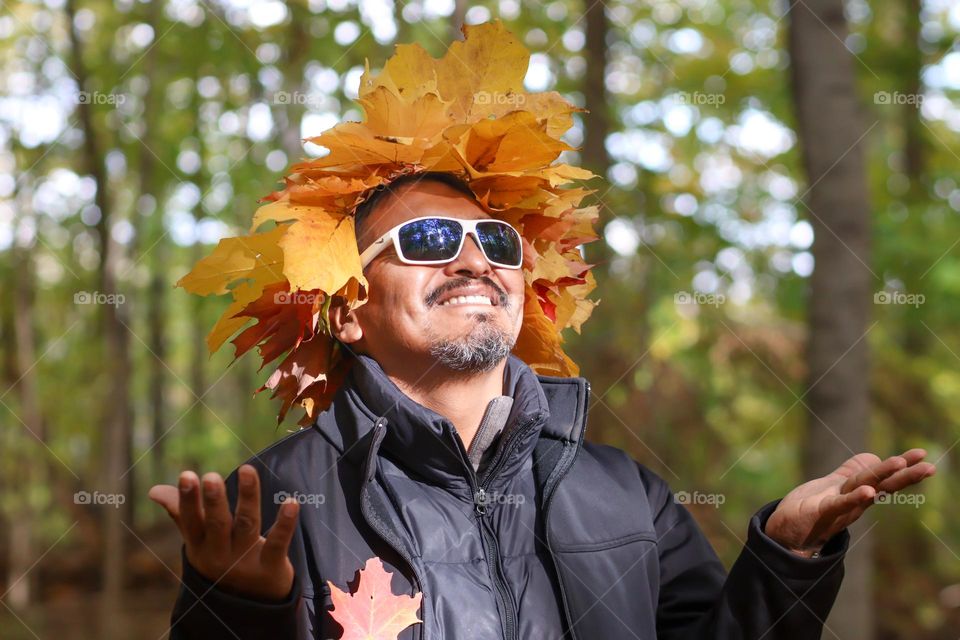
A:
(483, 349)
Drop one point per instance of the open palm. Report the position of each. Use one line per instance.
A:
(817, 510)
(226, 548)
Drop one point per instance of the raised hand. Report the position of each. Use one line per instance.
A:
(817, 510)
(228, 549)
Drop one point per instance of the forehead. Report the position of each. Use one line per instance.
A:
(427, 198)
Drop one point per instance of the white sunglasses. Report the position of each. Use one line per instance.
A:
(439, 240)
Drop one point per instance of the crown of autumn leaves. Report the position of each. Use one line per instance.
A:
(465, 114)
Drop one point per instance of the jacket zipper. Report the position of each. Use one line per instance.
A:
(505, 599)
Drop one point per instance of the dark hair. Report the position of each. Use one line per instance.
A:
(379, 193)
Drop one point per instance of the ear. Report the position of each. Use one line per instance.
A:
(344, 324)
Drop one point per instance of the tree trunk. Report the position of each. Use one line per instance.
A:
(457, 19)
(831, 133)
(596, 158)
(118, 411)
(289, 115)
(403, 27)
(154, 242)
(28, 430)
(197, 413)
(913, 151)
(596, 123)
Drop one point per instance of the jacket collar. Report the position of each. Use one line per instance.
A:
(417, 437)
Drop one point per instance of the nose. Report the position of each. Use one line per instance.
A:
(470, 262)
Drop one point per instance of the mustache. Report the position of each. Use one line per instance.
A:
(446, 287)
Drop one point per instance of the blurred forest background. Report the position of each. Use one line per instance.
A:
(780, 221)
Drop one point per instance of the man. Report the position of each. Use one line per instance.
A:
(468, 476)
(591, 544)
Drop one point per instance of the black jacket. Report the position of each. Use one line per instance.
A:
(556, 538)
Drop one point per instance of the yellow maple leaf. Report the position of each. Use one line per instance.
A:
(487, 66)
(320, 252)
(255, 257)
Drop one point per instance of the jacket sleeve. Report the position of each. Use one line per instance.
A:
(770, 592)
(203, 611)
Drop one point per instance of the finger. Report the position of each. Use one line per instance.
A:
(912, 456)
(840, 505)
(837, 512)
(191, 511)
(168, 497)
(875, 474)
(855, 464)
(246, 520)
(217, 519)
(280, 534)
(906, 477)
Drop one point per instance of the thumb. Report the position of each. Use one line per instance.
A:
(168, 497)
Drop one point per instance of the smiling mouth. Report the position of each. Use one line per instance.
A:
(465, 300)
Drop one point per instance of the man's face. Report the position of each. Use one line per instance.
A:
(415, 313)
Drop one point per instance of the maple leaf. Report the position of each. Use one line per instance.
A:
(373, 612)
(256, 257)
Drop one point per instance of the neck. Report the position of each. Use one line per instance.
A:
(461, 398)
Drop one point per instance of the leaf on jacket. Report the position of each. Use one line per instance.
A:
(373, 612)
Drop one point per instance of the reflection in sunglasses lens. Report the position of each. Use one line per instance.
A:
(501, 243)
(430, 239)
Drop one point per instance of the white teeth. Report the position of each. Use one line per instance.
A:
(468, 300)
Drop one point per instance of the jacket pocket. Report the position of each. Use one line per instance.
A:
(603, 545)
(611, 587)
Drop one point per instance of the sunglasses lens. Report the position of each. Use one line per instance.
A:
(430, 239)
(501, 243)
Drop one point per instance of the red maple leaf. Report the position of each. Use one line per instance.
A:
(373, 612)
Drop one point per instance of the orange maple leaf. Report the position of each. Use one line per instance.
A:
(373, 612)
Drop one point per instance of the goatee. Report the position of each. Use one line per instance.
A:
(484, 348)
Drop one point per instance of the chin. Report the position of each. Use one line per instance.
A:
(469, 325)
(478, 318)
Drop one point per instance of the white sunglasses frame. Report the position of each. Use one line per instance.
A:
(392, 236)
